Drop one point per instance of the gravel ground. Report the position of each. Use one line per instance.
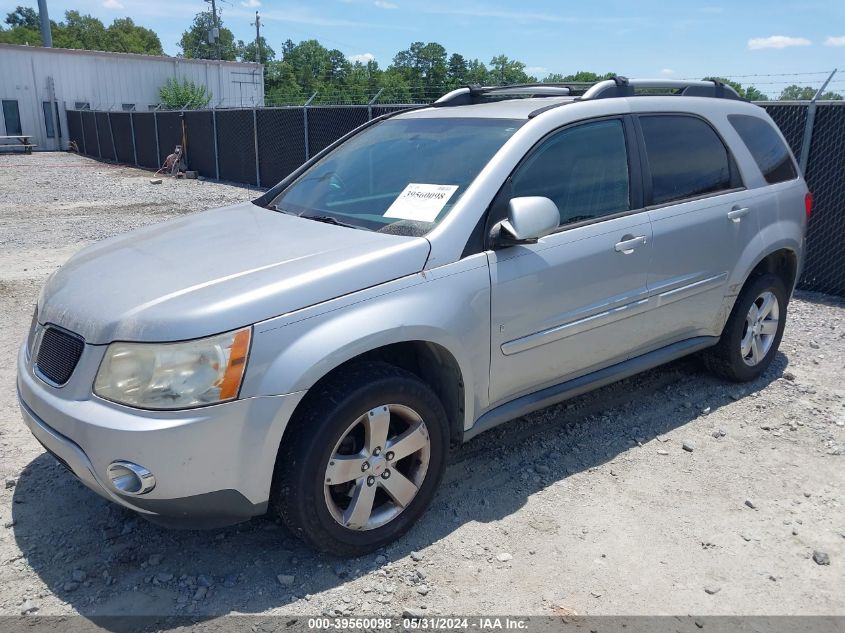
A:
(590, 507)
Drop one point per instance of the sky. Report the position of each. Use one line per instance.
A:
(647, 38)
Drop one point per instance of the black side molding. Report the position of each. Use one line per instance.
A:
(575, 387)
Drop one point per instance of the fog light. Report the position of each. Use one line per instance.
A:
(131, 479)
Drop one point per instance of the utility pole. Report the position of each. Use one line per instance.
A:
(257, 38)
(214, 35)
(46, 34)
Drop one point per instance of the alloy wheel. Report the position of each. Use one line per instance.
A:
(377, 467)
(761, 326)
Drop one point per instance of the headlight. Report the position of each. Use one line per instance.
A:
(174, 375)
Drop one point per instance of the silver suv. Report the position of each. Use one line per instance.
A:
(431, 275)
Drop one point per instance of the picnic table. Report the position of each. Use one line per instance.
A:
(23, 141)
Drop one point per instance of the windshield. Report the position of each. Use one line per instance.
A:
(401, 176)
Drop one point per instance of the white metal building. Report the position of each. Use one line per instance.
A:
(33, 77)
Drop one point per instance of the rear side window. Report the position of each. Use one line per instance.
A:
(769, 151)
(582, 169)
(685, 156)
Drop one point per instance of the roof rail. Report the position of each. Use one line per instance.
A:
(477, 94)
(623, 87)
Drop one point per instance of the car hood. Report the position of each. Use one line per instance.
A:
(216, 271)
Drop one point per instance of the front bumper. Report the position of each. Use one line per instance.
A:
(213, 465)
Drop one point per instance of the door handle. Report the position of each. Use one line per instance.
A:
(737, 213)
(629, 243)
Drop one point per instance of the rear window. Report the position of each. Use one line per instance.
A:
(769, 151)
(685, 156)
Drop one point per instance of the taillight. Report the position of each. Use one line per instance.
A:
(808, 204)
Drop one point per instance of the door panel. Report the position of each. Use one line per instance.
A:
(706, 220)
(567, 305)
(696, 244)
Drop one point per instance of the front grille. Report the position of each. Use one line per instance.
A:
(58, 354)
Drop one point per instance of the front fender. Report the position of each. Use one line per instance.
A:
(449, 306)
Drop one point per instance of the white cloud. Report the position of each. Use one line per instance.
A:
(776, 41)
(537, 71)
(835, 41)
(112, 4)
(364, 58)
(385, 4)
(666, 72)
(251, 4)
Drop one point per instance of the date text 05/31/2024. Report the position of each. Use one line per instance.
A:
(419, 623)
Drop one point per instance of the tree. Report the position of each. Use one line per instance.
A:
(582, 76)
(753, 94)
(508, 71)
(247, 52)
(194, 42)
(805, 93)
(82, 31)
(456, 70)
(183, 95)
(124, 36)
(25, 17)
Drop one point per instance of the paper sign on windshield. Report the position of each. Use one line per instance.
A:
(420, 202)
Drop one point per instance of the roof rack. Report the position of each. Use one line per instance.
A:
(479, 94)
(624, 87)
(606, 89)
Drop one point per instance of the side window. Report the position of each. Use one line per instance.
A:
(685, 156)
(582, 169)
(11, 117)
(769, 151)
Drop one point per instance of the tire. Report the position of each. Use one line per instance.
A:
(337, 435)
(731, 358)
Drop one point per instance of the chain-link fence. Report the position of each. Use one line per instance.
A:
(260, 146)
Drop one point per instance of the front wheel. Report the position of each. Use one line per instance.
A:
(362, 460)
(753, 331)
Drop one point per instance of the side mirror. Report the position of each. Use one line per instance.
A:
(529, 219)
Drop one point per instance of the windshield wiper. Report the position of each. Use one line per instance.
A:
(332, 220)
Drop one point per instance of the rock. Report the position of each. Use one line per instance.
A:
(807, 494)
(11, 483)
(78, 575)
(705, 411)
(413, 614)
(423, 590)
(381, 559)
(10, 524)
(164, 577)
(662, 452)
(821, 557)
(688, 447)
(814, 345)
(750, 504)
(28, 606)
(542, 469)
(788, 375)
(712, 589)
(204, 581)
(111, 533)
(503, 557)
(416, 556)
(154, 559)
(199, 594)
(595, 594)
(155, 181)
(716, 434)
(286, 580)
